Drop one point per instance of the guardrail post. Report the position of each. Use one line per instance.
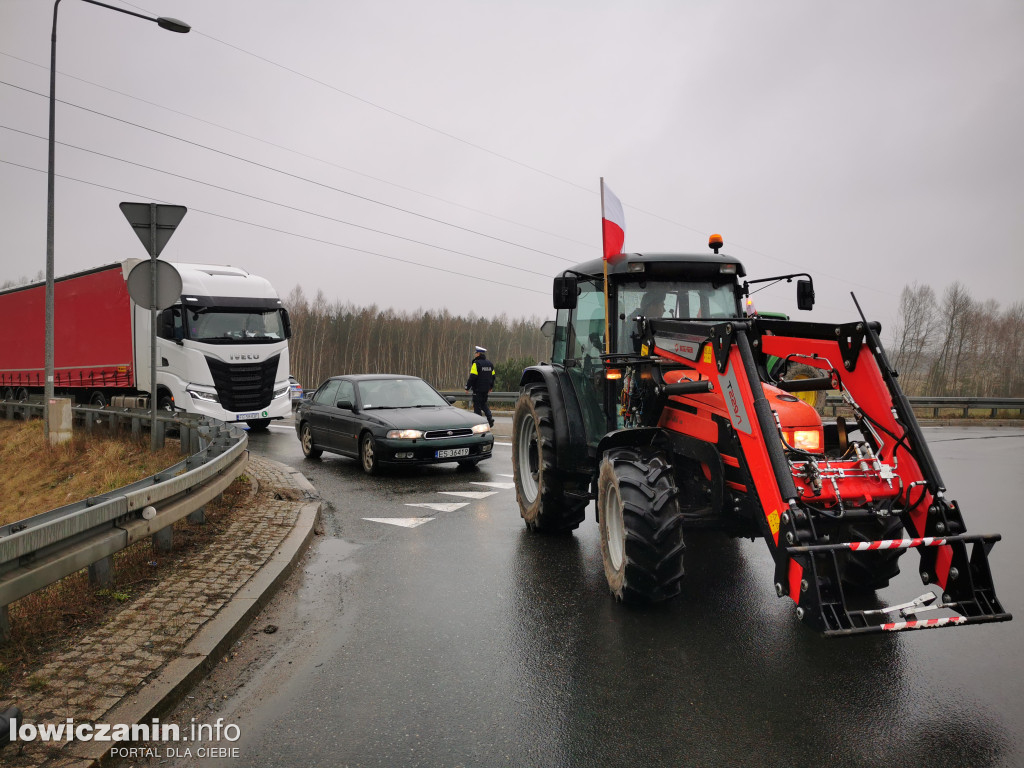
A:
(199, 516)
(101, 573)
(158, 428)
(163, 539)
(5, 624)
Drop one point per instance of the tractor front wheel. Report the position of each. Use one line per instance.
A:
(641, 525)
(542, 502)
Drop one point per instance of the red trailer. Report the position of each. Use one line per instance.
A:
(92, 334)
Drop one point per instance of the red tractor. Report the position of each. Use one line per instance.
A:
(673, 410)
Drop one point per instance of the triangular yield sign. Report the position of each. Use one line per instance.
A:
(142, 215)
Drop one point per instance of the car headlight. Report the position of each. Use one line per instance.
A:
(281, 391)
(405, 434)
(209, 397)
(479, 429)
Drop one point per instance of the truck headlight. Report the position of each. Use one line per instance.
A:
(209, 397)
(479, 429)
(281, 391)
(405, 434)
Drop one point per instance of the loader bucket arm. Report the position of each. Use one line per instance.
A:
(807, 561)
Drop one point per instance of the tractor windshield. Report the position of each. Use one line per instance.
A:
(678, 299)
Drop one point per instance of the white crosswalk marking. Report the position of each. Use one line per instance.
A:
(441, 507)
(502, 486)
(405, 522)
(470, 494)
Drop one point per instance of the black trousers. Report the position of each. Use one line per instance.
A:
(480, 406)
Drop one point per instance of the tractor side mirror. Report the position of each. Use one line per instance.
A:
(565, 292)
(804, 294)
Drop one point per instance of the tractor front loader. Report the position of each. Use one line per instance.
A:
(673, 410)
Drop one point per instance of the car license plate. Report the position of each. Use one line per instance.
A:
(451, 453)
(246, 416)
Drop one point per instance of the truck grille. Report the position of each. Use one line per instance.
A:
(246, 386)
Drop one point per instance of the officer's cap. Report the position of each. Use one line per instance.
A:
(482, 350)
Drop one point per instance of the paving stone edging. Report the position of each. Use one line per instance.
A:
(159, 669)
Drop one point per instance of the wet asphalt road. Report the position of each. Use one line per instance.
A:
(468, 641)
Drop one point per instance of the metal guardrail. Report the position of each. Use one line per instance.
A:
(964, 405)
(495, 397)
(45, 548)
(834, 402)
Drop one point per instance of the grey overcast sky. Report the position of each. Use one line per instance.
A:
(447, 154)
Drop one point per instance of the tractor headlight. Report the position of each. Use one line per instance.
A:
(805, 440)
(405, 434)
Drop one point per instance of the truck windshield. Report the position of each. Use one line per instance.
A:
(248, 326)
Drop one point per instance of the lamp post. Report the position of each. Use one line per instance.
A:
(172, 25)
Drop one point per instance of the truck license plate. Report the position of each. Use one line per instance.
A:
(246, 416)
(451, 453)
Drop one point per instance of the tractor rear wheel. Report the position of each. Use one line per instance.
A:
(641, 525)
(868, 571)
(542, 501)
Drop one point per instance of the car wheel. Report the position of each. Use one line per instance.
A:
(258, 425)
(309, 450)
(368, 455)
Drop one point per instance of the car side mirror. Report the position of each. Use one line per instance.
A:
(804, 294)
(345, 405)
(452, 400)
(564, 292)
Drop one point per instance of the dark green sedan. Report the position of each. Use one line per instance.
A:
(383, 419)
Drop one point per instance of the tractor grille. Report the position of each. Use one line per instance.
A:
(246, 386)
(439, 433)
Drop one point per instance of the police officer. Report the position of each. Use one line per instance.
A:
(481, 382)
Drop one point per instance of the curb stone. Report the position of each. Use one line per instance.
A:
(279, 523)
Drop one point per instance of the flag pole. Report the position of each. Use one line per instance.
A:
(604, 260)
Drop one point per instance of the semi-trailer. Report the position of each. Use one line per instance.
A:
(222, 348)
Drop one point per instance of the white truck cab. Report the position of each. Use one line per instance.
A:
(222, 350)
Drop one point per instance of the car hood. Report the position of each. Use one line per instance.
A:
(426, 418)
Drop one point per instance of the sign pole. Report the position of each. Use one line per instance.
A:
(155, 441)
(154, 224)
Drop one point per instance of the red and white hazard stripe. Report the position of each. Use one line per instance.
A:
(929, 541)
(926, 624)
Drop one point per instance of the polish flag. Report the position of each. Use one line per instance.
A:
(613, 223)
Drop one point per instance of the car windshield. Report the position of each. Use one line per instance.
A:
(398, 393)
(227, 327)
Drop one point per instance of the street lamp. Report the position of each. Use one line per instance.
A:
(172, 25)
